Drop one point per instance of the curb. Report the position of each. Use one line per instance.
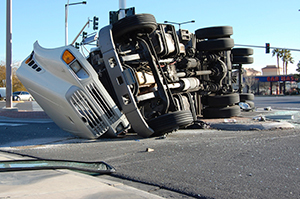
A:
(25, 114)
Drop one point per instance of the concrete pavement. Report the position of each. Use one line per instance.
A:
(61, 183)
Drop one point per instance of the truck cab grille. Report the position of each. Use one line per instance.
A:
(88, 113)
(101, 101)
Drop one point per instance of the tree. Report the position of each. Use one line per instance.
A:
(298, 67)
(2, 74)
(297, 76)
(16, 83)
(250, 81)
(289, 60)
(278, 52)
(286, 58)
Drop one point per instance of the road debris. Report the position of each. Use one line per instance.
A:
(149, 150)
(245, 106)
(229, 120)
(259, 118)
(199, 125)
(268, 108)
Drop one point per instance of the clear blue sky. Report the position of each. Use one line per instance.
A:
(254, 22)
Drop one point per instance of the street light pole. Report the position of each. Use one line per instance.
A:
(66, 18)
(66, 22)
(122, 7)
(8, 53)
(192, 21)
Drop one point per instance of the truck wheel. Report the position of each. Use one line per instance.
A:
(246, 96)
(242, 60)
(140, 23)
(242, 51)
(223, 100)
(170, 121)
(214, 32)
(215, 44)
(221, 112)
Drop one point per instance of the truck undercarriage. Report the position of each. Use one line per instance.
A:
(151, 78)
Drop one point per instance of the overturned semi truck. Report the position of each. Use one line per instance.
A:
(142, 76)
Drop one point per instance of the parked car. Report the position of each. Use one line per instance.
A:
(22, 96)
(2, 93)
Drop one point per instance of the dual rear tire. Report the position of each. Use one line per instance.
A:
(215, 38)
(222, 106)
(132, 25)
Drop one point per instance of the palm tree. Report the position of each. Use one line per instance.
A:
(278, 53)
(286, 58)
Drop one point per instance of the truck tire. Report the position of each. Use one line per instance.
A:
(223, 100)
(242, 60)
(221, 112)
(242, 51)
(214, 32)
(215, 44)
(246, 97)
(140, 23)
(170, 121)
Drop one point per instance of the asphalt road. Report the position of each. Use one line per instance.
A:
(200, 163)
(279, 102)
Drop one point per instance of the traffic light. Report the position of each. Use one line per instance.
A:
(95, 23)
(267, 47)
(84, 35)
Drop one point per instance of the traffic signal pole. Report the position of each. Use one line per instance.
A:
(87, 23)
(254, 46)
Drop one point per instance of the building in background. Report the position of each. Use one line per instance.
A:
(268, 82)
(271, 70)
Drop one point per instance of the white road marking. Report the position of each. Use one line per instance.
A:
(11, 124)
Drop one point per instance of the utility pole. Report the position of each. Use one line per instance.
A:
(8, 54)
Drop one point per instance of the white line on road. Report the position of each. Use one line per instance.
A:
(11, 124)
